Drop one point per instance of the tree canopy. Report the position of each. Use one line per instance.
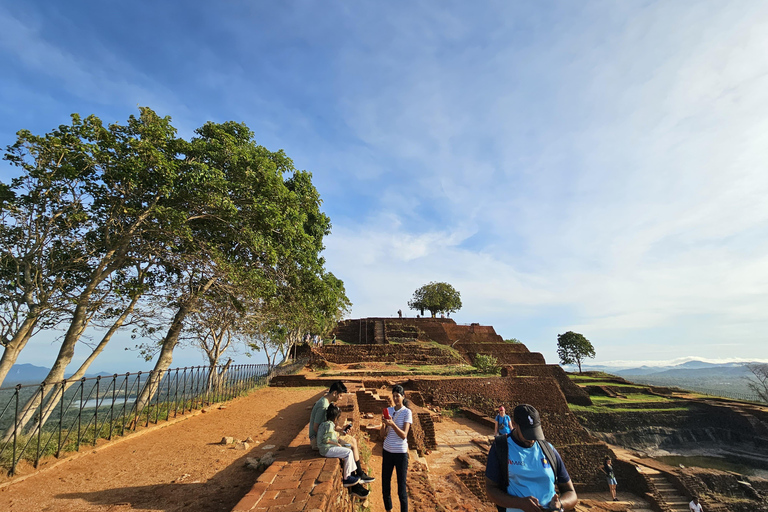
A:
(573, 348)
(129, 223)
(436, 298)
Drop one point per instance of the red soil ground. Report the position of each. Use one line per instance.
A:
(177, 467)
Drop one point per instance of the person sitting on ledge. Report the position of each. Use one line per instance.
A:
(329, 445)
(317, 416)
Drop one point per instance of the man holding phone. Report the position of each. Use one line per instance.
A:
(524, 472)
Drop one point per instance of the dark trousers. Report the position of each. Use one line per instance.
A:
(398, 462)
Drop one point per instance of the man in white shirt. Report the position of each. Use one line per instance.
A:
(695, 506)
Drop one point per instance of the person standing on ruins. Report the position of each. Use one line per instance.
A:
(502, 426)
(525, 473)
(394, 429)
(318, 410)
(694, 505)
(611, 476)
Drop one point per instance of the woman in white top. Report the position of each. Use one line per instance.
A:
(395, 454)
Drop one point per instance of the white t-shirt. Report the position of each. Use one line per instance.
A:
(695, 507)
(393, 443)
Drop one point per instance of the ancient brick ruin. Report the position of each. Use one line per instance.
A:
(366, 363)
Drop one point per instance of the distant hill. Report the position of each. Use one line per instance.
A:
(31, 374)
(729, 379)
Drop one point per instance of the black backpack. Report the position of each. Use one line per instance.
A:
(500, 443)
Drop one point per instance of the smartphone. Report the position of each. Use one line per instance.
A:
(346, 428)
(385, 413)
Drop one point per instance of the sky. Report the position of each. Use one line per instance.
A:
(597, 167)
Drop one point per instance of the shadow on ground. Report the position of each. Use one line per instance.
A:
(221, 492)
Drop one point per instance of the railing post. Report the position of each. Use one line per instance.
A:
(168, 396)
(112, 409)
(39, 424)
(148, 406)
(136, 403)
(61, 417)
(15, 430)
(176, 394)
(125, 403)
(80, 413)
(96, 412)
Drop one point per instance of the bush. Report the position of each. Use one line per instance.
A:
(487, 364)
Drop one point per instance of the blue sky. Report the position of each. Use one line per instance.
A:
(587, 166)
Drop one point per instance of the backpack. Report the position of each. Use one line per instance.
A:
(500, 442)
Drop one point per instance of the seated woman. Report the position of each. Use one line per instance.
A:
(329, 445)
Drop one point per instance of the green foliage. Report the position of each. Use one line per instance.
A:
(436, 298)
(214, 221)
(514, 341)
(573, 347)
(487, 364)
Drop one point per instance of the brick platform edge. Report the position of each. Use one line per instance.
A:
(299, 480)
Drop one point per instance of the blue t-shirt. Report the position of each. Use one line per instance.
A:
(504, 426)
(529, 471)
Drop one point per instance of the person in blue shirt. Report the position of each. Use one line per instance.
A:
(503, 425)
(533, 481)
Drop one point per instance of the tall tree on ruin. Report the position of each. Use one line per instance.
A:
(758, 383)
(436, 298)
(573, 348)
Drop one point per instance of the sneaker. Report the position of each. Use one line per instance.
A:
(364, 478)
(350, 481)
(359, 491)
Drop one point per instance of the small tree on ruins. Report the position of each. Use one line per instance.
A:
(760, 384)
(436, 298)
(573, 348)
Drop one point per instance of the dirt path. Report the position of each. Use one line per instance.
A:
(180, 467)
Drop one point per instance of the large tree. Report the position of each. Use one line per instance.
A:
(436, 298)
(573, 348)
(260, 226)
(121, 206)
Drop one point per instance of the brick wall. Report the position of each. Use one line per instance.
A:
(405, 353)
(300, 480)
(573, 393)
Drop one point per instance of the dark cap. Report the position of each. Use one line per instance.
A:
(529, 422)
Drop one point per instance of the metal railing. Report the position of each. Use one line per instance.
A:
(40, 420)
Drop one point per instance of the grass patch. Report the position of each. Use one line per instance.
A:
(609, 410)
(612, 384)
(631, 397)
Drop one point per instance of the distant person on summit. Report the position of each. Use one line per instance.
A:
(525, 473)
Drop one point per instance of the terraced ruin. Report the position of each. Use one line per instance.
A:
(453, 406)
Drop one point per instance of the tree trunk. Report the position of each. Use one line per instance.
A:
(14, 347)
(50, 405)
(80, 320)
(170, 341)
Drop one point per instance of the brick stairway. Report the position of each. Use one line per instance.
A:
(673, 500)
(378, 333)
(368, 402)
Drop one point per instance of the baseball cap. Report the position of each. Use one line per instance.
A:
(529, 422)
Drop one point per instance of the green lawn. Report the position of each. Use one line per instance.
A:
(631, 397)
